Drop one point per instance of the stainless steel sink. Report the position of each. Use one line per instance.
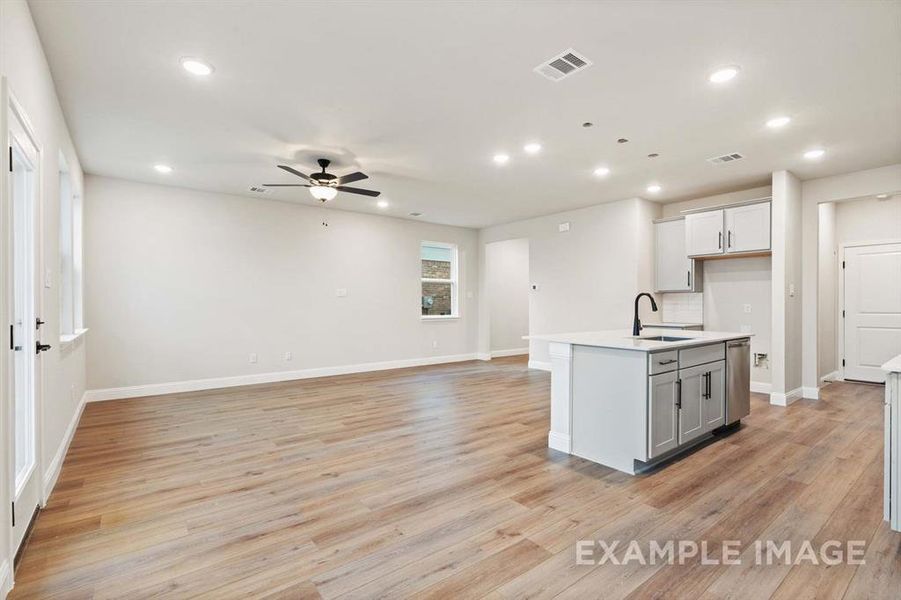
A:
(664, 338)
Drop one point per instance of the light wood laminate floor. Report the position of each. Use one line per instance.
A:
(437, 482)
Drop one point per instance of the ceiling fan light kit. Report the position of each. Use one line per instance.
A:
(325, 186)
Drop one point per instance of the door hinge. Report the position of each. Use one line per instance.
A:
(843, 362)
(843, 314)
(843, 264)
(12, 336)
(14, 513)
(10, 159)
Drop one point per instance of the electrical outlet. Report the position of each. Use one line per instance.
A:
(288, 356)
(253, 358)
(434, 343)
(341, 292)
(563, 227)
(747, 308)
(746, 329)
(791, 290)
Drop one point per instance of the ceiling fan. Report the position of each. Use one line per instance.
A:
(325, 186)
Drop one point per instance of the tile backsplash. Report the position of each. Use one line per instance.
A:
(683, 308)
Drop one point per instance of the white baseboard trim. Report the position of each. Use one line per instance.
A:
(539, 365)
(512, 352)
(780, 399)
(6, 580)
(760, 387)
(558, 441)
(811, 393)
(51, 474)
(196, 385)
(483, 356)
(830, 377)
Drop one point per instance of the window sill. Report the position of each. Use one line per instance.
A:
(70, 338)
(439, 317)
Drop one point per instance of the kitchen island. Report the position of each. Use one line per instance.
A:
(630, 402)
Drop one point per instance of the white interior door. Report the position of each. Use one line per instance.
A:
(872, 298)
(24, 200)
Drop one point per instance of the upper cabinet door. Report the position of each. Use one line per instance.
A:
(748, 228)
(704, 233)
(673, 265)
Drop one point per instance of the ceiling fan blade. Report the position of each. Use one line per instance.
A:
(294, 172)
(286, 185)
(352, 177)
(353, 190)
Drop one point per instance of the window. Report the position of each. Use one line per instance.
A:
(439, 280)
(70, 276)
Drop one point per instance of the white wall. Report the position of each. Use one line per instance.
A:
(731, 284)
(868, 220)
(184, 285)
(23, 65)
(507, 293)
(588, 277)
(827, 291)
(675, 208)
(785, 355)
(859, 184)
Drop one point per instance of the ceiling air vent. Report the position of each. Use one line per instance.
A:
(563, 65)
(725, 158)
(258, 189)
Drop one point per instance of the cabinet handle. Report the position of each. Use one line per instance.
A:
(679, 394)
(730, 238)
(668, 362)
(689, 278)
(719, 243)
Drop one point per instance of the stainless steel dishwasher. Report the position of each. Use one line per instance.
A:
(738, 380)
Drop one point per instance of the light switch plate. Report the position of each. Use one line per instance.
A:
(48, 278)
(563, 227)
(341, 292)
(747, 308)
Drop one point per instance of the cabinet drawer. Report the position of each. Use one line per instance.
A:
(699, 355)
(661, 362)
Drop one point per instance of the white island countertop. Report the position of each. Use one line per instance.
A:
(893, 366)
(622, 339)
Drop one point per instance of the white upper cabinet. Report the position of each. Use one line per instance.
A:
(676, 272)
(748, 228)
(704, 233)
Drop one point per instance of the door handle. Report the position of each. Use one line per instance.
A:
(38, 322)
(39, 347)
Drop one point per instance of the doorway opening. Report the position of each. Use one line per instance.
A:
(507, 277)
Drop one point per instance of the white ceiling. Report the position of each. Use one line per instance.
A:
(421, 95)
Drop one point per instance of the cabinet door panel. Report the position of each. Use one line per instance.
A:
(691, 418)
(748, 228)
(715, 405)
(704, 233)
(662, 414)
(673, 265)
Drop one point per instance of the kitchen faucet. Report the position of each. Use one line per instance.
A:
(636, 322)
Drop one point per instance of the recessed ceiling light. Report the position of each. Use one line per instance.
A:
(881, 196)
(587, 124)
(602, 172)
(814, 154)
(501, 159)
(654, 188)
(653, 155)
(195, 66)
(777, 122)
(622, 141)
(532, 148)
(382, 204)
(724, 74)
(415, 214)
(162, 168)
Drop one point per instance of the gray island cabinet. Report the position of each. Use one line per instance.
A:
(630, 402)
